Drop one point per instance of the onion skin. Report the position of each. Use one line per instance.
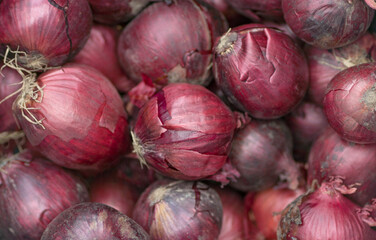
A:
(328, 24)
(332, 156)
(84, 119)
(53, 30)
(233, 18)
(184, 132)
(259, 10)
(261, 70)
(350, 101)
(33, 192)
(100, 52)
(179, 210)
(147, 48)
(262, 153)
(87, 221)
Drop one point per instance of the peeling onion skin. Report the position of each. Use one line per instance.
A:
(172, 210)
(84, 119)
(33, 191)
(350, 102)
(88, 221)
(259, 10)
(178, 53)
(328, 24)
(55, 30)
(184, 132)
(261, 70)
(332, 156)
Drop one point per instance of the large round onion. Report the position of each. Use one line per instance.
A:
(331, 156)
(184, 132)
(179, 210)
(33, 191)
(259, 10)
(79, 122)
(261, 70)
(328, 24)
(50, 32)
(350, 103)
(88, 221)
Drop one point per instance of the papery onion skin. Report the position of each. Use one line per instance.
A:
(33, 191)
(100, 52)
(262, 153)
(184, 132)
(147, 48)
(179, 210)
(87, 221)
(328, 24)
(350, 101)
(332, 156)
(259, 10)
(51, 31)
(83, 116)
(261, 70)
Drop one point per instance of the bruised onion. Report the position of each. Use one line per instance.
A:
(87, 221)
(328, 24)
(49, 32)
(262, 153)
(179, 210)
(180, 52)
(259, 10)
(261, 70)
(350, 103)
(332, 156)
(184, 132)
(77, 120)
(33, 191)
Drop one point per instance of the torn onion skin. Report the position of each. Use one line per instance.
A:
(356, 163)
(328, 24)
(261, 70)
(50, 32)
(350, 104)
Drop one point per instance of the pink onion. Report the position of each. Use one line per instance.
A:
(184, 132)
(259, 10)
(179, 210)
(79, 122)
(331, 156)
(88, 221)
(180, 52)
(324, 214)
(261, 70)
(371, 3)
(49, 32)
(100, 52)
(33, 191)
(328, 24)
(350, 102)
(262, 153)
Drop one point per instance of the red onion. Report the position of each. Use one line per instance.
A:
(328, 24)
(179, 210)
(79, 122)
(88, 221)
(259, 10)
(371, 3)
(100, 52)
(118, 11)
(261, 70)
(33, 191)
(184, 132)
(325, 64)
(233, 18)
(49, 32)
(285, 29)
(331, 156)
(262, 153)
(147, 48)
(324, 214)
(350, 101)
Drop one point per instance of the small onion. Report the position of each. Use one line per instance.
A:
(327, 24)
(259, 10)
(88, 221)
(33, 191)
(179, 210)
(350, 103)
(261, 70)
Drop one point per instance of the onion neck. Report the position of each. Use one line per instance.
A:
(139, 149)
(368, 213)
